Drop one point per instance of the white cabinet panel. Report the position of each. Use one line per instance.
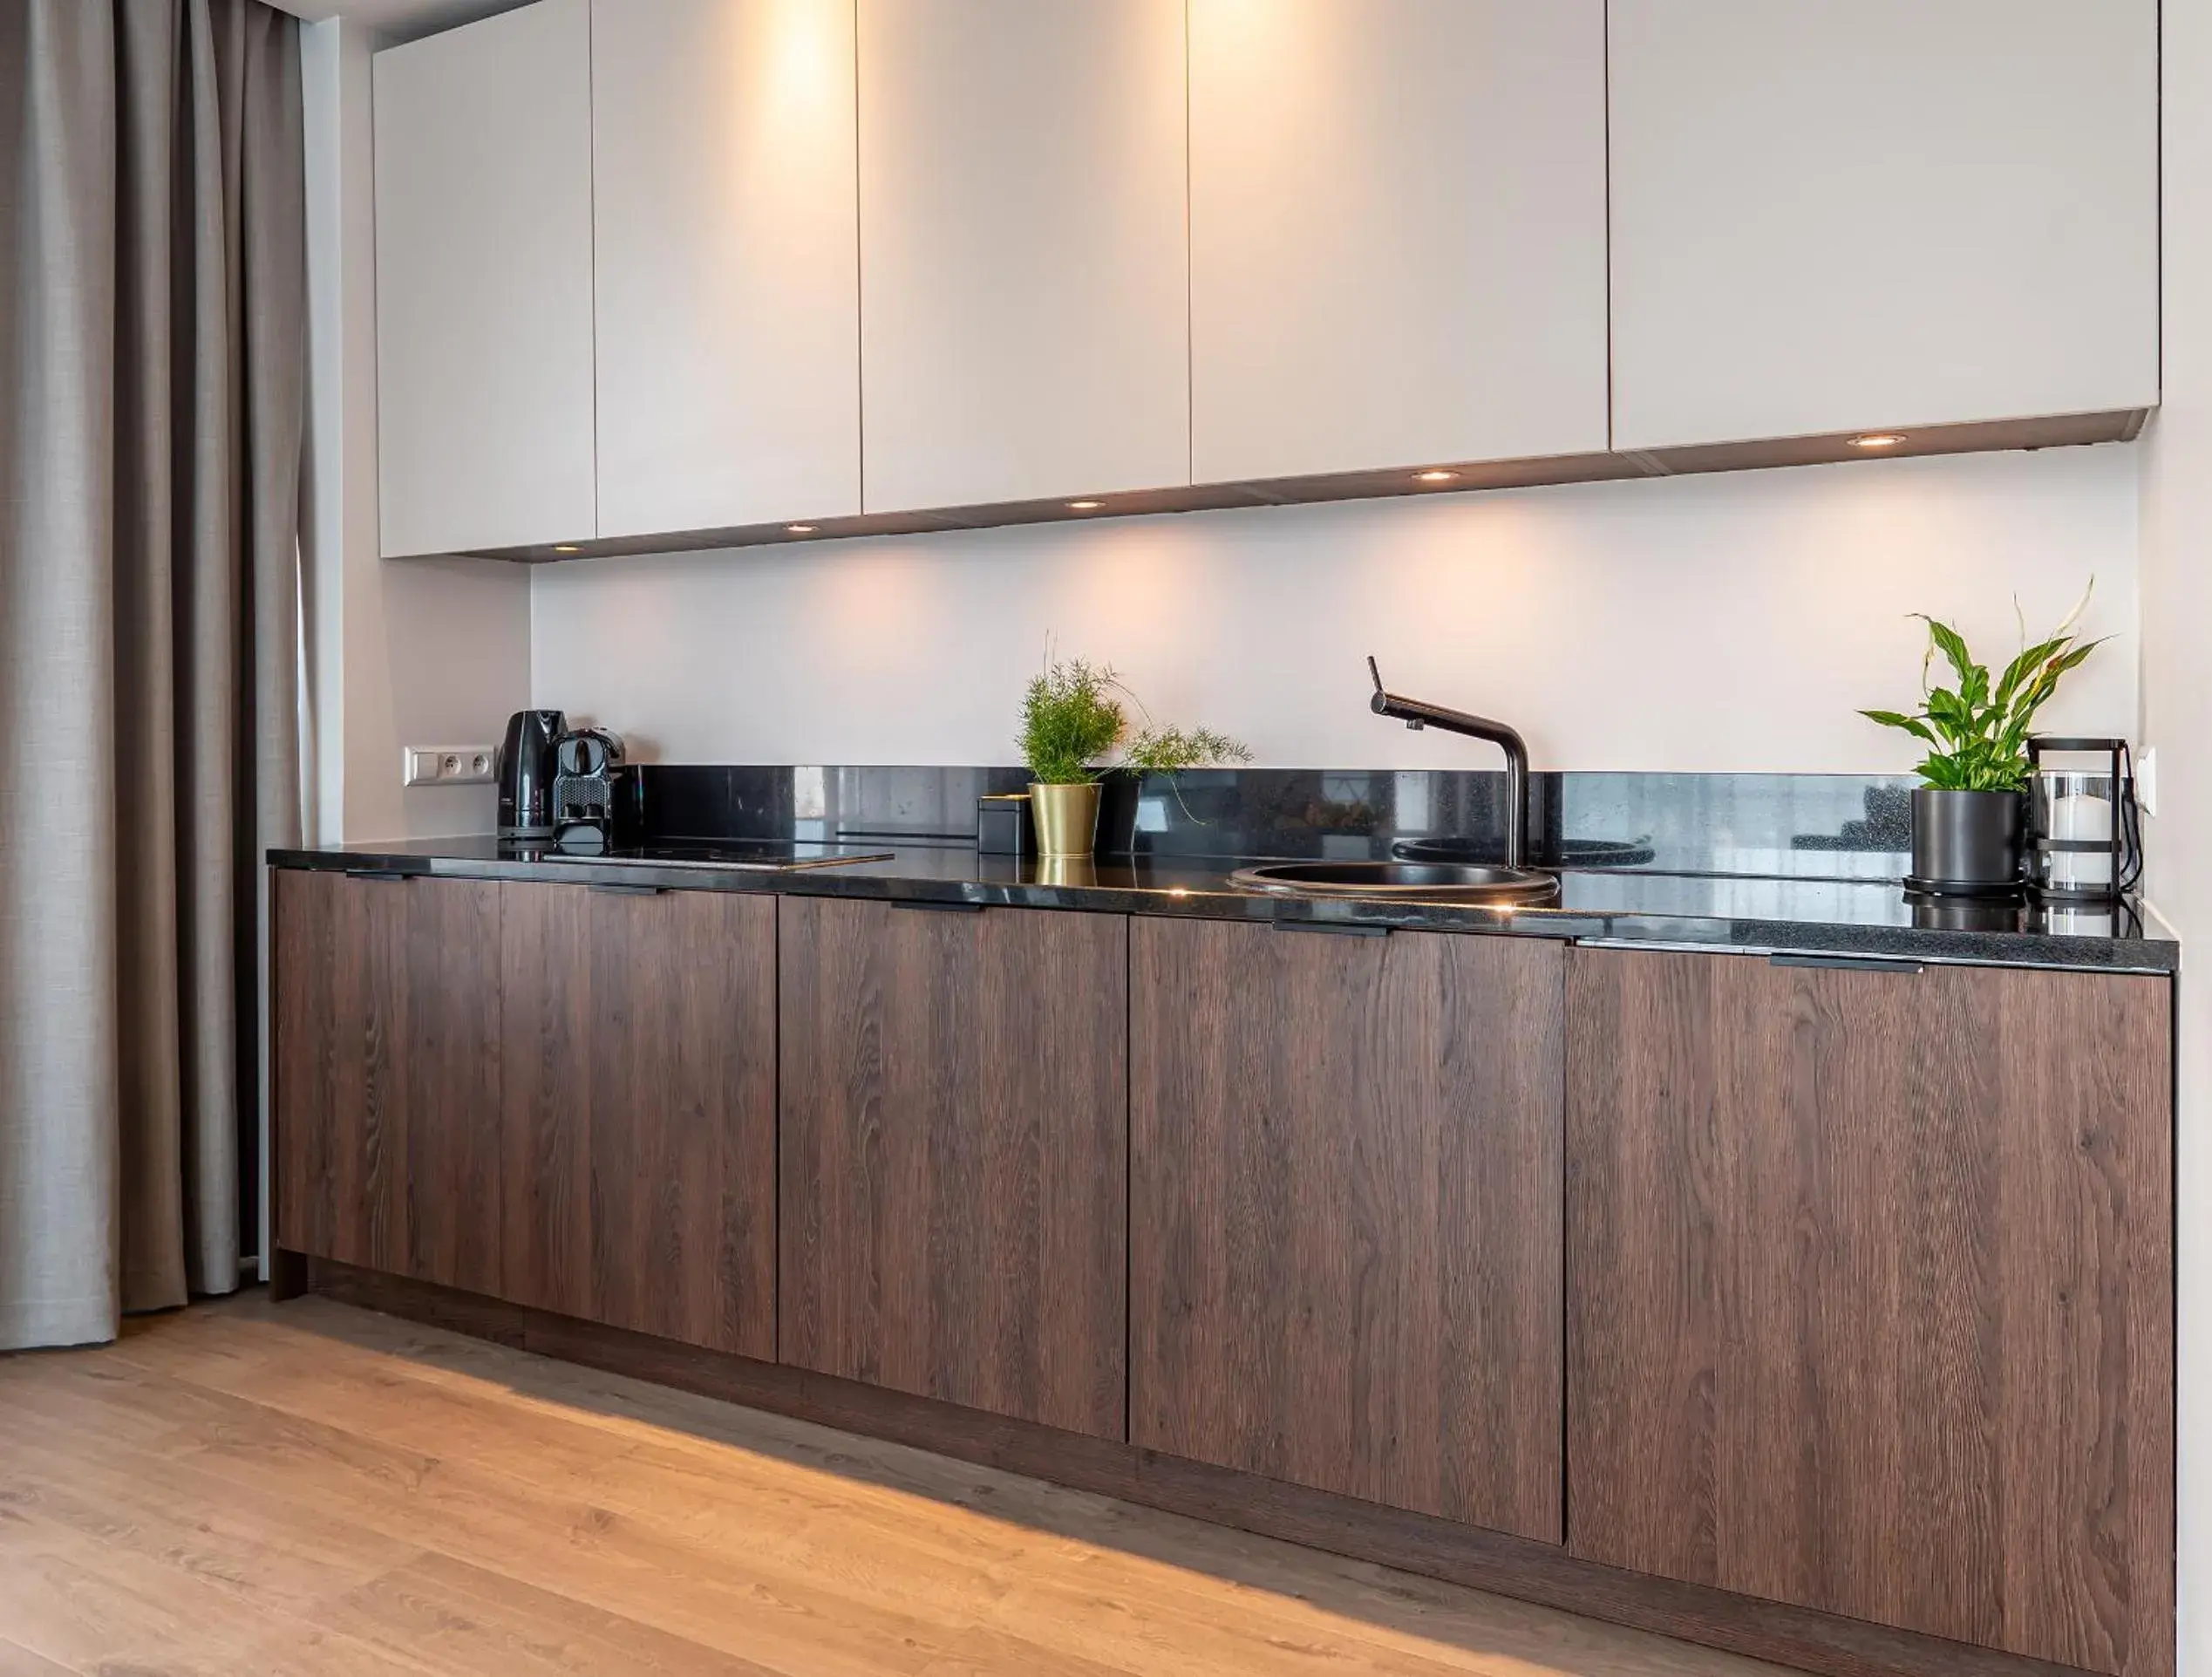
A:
(1832, 215)
(1024, 271)
(727, 262)
(1398, 233)
(484, 375)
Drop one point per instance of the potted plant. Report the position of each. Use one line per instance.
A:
(1968, 812)
(1073, 721)
(1157, 749)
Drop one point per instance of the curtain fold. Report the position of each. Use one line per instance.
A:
(152, 351)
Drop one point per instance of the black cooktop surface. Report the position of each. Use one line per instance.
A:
(775, 854)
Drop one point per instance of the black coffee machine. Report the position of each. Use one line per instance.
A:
(585, 762)
(527, 771)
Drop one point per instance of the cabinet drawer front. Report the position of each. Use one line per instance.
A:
(1872, 1293)
(955, 1154)
(1346, 1213)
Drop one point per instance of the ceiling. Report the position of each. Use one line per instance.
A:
(399, 19)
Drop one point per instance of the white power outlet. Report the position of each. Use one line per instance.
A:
(2147, 781)
(446, 766)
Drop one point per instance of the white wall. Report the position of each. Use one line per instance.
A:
(1722, 623)
(2177, 721)
(419, 653)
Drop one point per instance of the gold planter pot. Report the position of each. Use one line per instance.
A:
(1068, 818)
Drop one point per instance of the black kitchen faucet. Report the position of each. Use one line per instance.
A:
(1416, 714)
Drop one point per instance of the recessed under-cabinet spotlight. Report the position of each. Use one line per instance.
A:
(1878, 440)
(1084, 506)
(565, 547)
(799, 530)
(1437, 475)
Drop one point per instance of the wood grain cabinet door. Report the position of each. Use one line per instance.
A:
(384, 1013)
(1345, 1227)
(1871, 1293)
(955, 1154)
(639, 1128)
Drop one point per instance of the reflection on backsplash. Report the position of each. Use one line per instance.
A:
(1765, 826)
(1835, 827)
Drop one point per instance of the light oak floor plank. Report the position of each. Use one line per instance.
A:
(16, 1660)
(315, 1488)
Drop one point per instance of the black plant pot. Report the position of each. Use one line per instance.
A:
(1966, 844)
(1118, 791)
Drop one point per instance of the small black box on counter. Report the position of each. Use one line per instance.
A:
(1003, 825)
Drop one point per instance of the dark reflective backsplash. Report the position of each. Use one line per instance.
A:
(1766, 826)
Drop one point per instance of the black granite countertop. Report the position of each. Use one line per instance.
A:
(1778, 914)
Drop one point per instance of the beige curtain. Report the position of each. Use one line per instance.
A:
(153, 304)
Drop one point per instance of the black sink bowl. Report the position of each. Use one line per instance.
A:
(1569, 853)
(1439, 881)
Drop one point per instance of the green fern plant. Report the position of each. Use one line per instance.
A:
(1070, 719)
(1165, 750)
(1073, 721)
(1977, 732)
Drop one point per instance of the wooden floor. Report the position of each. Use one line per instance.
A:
(242, 1488)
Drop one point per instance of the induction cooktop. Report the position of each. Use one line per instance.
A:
(775, 855)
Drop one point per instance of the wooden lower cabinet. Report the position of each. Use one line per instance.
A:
(955, 1138)
(550, 1094)
(385, 1024)
(1871, 1293)
(1345, 1207)
(638, 1112)
(1849, 1288)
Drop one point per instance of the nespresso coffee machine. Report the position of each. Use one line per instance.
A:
(583, 788)
(525, 772)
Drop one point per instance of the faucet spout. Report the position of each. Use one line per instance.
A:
(1417, 713)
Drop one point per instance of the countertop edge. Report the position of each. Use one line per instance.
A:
(2142, 955)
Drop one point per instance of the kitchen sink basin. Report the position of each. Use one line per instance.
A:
(1557, 853)
(1441, 881)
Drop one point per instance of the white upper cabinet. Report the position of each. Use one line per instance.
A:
(1023, 270)
(727, 262)
(1835, 216)
(484, 359)
(648, 268)
(1398, 233)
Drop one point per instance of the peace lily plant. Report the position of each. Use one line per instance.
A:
(1967, 814)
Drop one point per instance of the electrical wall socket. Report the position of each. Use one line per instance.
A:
(446, 766)
(2147, 781)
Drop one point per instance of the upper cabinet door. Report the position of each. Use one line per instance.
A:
(483, 155)
(1398, 233)
(1023, 264)
(727, 260)
(1836, 215)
